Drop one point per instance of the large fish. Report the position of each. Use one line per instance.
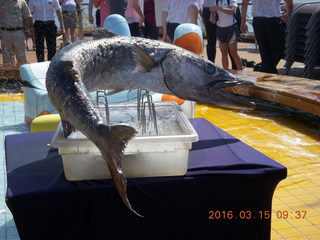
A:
(117, 62)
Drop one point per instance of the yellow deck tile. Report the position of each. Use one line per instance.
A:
(275, 235)
(297, 238)
(10, 97)
(291, 232)
(291, 199)
(294, 144)
(315, 220)
(309, 229)
(308, 198)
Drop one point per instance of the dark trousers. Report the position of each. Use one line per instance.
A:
(98, 18)
(135, 30)
(150, 31)
(45, 31)
(270, 36)
(211, 35)
(171, 28)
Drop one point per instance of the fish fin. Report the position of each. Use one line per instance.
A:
(26, 83)
(100, 33)
(67, 127)
(144, 61)
(116, 139)
(68, 66)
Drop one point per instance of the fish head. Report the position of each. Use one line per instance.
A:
(192, 77)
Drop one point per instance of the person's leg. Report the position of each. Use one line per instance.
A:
(135, 30)
(98, 17)
(73, 34)
(154, 32)
(66, 37)
(19, 45)
(233, 63)
(33, 39)
(276, 33)
(73, 25)
(262, 40)
(211, 35)
(7, 48)
(39, 29)
(224, 55)
(233, 47)
(51, 40)
(171, 27)
(233, 50)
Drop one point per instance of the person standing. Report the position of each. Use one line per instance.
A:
(104, 9)
(135, 18)
(15, 20)
(30, 34)
(44, 26)
(210, 30)
(150, 29)
(269, 30)
(69, 14)
(227, 31)
(176, 12)
(94, 3)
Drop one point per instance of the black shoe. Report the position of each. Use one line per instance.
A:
(244, 62)
(257, 67)
(251, 64)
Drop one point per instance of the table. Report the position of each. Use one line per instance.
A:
(226, 194)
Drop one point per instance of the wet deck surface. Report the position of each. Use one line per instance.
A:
(293, 140)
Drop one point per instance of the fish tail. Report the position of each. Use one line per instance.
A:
(116, 139)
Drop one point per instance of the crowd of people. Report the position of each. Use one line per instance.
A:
(20, 19)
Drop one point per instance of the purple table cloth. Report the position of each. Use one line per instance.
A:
(226, 180)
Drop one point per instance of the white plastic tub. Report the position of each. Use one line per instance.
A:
(147, 155)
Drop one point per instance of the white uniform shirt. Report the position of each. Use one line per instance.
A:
(178, 10)
(208, 3)
(266, 8)
(44, 10)
(130, 14)
(226, 20)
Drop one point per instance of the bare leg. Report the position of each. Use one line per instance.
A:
(224, 53)
(233, 50)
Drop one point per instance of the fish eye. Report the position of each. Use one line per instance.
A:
(210, 69)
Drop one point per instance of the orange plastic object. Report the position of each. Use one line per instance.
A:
(167, 97)
(191, 42)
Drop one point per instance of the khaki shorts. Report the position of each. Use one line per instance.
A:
(13, 45)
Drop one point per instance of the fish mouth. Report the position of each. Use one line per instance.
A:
(226, 94)
(234, 101)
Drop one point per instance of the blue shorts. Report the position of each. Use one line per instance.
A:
(228, 34)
